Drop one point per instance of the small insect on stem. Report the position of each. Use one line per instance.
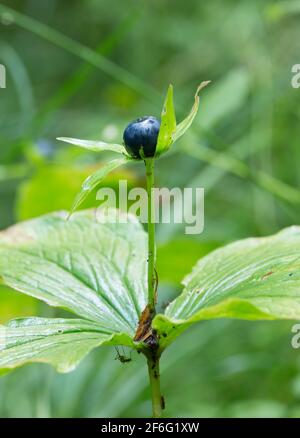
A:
(122, 357)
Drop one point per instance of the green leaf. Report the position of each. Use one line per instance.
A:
(256, 278)
(62, 343)
(96, 146)
(95, 179)
(93, 269)
(168, 124)
(183, 126)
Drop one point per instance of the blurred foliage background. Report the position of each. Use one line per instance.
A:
(84, 69)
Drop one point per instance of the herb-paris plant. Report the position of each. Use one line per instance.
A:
(97, 271)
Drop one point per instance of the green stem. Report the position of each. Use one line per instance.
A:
(157, 399)
(149, 162)
(152, 356)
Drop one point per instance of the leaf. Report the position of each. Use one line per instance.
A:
(96, 146)
(183, 126)
(256, 278)
(168, 124)
(62, 343)
(95, 270)
(93, 180)
(35, 198)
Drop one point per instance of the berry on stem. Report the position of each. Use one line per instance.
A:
(140, 137)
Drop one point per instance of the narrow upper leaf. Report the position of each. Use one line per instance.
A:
(257, 278)
(62, 343)
(183, 126)
(95, 270)
(95, 179)
(168, 123)
(96, 146)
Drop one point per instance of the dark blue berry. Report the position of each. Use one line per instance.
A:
(141, 136)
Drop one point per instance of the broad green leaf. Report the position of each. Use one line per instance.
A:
(62, 343)
(168, 124)
(96, 146)
(95, 270)
(95, 179)
(256, 278)
(183, 126)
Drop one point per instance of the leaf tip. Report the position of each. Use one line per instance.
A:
(201, 86)
(72, 211)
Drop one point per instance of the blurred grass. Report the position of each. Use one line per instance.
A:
(85, 71)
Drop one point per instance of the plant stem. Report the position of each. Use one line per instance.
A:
(157, 399)
(152, 355)
(149, 162)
